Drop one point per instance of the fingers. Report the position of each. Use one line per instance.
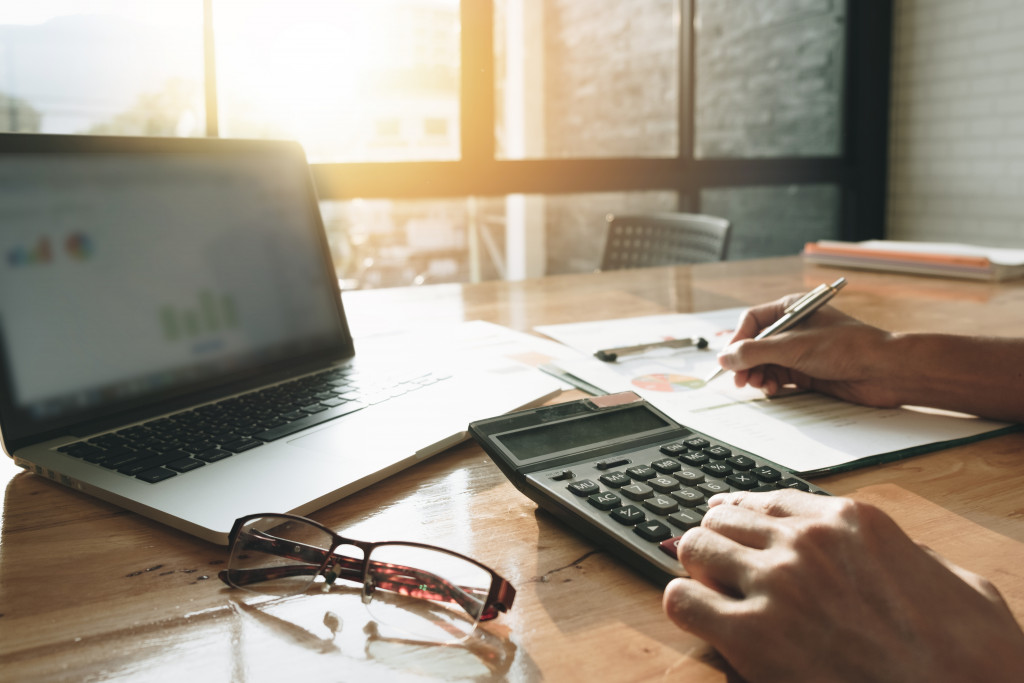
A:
(755, 319)
(782, 503)
(694, 607)
(782, 349)
(715, 560)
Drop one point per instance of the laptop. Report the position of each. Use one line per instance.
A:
(173, 340)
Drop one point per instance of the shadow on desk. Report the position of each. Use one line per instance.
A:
(596, 597)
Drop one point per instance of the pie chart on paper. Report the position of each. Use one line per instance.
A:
(663, 381)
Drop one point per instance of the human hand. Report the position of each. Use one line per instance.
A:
(829, 352)
(792, 586)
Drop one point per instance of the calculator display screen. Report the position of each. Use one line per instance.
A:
(579, 432)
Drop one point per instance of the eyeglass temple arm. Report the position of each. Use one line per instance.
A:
(403, 580)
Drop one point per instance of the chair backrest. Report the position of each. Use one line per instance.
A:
(663, 239)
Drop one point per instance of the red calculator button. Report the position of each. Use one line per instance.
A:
(670, 546)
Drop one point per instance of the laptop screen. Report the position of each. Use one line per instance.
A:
(130, 276)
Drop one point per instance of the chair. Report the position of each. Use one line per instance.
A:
(664, 239)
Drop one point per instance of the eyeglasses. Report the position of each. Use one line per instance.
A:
(423, 591)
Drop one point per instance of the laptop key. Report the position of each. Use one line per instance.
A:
(241, 445)
(308, 421)
(185, 465)
(155, 475)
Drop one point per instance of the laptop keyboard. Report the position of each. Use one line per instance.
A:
(157, 450)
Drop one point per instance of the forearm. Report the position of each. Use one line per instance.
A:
(978, 375)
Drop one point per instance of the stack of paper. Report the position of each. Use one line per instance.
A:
(924, 258)
(806, 432)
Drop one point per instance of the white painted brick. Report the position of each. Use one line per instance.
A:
(957, 122)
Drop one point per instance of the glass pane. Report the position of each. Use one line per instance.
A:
(586, 79)
(119, 67)
(769, 78)
(775, 221)
(352, 80)
(395, 243)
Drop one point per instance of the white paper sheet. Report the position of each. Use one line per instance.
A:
(804, 432)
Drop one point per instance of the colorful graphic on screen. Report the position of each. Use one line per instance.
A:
(210, 314)
(663, 381)
(38, 254)
(79, 246)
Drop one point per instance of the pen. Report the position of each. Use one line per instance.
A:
(797, 311)
(609, 355)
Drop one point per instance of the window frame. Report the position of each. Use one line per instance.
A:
(860, 171)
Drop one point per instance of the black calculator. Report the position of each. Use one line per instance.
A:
(623, 474)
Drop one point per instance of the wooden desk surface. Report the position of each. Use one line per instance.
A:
(91, 592)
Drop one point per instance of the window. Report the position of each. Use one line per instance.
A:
(132, 69)
(485, 139)
(340, 76)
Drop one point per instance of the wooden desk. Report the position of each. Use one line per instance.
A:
(90, 592)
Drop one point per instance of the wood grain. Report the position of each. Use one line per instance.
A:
(91, 592)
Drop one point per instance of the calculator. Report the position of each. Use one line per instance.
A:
(623, 474)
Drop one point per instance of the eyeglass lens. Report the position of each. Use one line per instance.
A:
(278, 555)
(420, 593)
(425, 593)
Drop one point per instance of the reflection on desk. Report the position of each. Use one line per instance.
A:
(91, 592)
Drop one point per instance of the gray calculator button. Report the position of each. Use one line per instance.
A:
(661, 505)
(689, 497)
(605, 500)
(583, 487)
(663, 484)
(637, 491)
(685, 519)
(689, 476)
(712, 487)
(628, 514)
(614, 479)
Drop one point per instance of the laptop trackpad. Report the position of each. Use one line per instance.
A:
(397, 432)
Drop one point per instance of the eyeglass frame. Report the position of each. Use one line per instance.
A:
(500, 594)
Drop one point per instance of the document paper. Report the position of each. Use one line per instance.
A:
(805, 432)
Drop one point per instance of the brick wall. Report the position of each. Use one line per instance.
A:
(957, 122)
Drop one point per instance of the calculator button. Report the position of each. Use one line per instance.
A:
(611, 462)
(689, 476)
(697, 443)
(670, 546)
(637, 491)
(614, 479)
(792, 483)
(718, 452)
(742, 481)
(583, 487)
(661, 505)
(710, 488)
(684, 519)
(741, 462)
(563, 475)
(766, 474)
(663, 484)
(666, 465)
(641, 472)
(689, 497)
(605, 500)
(763, 488)
(676, 448)
(628, 514)
(653, 531)
(695, 459)
(716, 469)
